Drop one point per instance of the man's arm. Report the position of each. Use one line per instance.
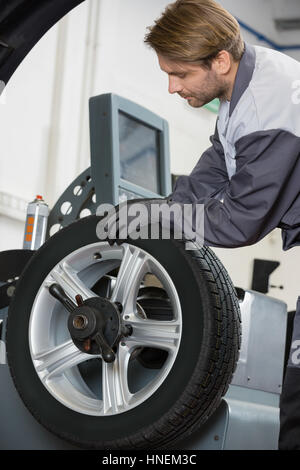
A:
(264, 187)
(207, 179)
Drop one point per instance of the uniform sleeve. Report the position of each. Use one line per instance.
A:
(208, 177)
(259, 195)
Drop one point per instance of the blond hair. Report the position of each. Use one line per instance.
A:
(195, 31)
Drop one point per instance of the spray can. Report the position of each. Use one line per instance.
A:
(36, 224)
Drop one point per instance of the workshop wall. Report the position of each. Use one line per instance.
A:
(99, 48)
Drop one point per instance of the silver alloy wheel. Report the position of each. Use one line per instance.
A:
(56, 358)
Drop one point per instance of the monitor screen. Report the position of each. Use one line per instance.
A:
(139, 153)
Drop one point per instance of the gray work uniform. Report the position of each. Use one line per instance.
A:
(249, 182)
(249, 179)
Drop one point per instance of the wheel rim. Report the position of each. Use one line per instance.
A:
(121, 385)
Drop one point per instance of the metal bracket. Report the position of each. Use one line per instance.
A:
(77, 201)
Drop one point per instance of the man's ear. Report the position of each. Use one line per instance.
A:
(222, 63)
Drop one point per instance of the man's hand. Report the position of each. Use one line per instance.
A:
(132, 219)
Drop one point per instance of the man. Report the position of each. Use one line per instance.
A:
(249, 179)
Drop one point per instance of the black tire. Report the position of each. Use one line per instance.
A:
(200, 375)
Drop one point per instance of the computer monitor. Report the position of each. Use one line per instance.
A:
(129, 150)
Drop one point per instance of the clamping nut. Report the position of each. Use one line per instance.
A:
(80, 322)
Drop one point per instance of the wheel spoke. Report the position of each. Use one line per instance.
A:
(133, 267)
(116, 394)
(57, 360)
(153, 333)
(68, 279)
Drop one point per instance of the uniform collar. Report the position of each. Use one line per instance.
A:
(243, 76)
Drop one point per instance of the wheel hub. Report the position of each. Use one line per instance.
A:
(96, 317)
(95, 325)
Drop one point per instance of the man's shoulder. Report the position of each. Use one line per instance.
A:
(270, 102)
(274, 60)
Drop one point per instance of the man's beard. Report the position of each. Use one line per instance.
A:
(216, 90)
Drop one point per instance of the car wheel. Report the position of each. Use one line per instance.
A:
(163, 304)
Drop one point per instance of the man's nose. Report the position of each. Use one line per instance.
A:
(174, 85)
